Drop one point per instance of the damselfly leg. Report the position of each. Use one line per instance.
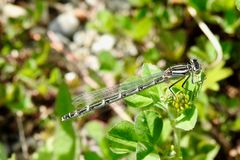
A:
(183, 84)
(172, 85)
(185, 81)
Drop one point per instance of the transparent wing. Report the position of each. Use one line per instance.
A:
(95, 96)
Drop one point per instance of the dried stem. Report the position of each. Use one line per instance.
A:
(205, 29)
(118, 109)
(22, 138)
(120, 112)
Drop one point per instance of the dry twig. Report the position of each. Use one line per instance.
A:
(22, 138)
(205, 29)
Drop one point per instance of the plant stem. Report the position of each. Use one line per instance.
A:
(177, 136)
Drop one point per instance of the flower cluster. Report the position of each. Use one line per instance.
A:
(181, 102)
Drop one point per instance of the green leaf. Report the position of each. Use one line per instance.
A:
(148, 96)
(200, 5)
(220, 5)
(42, 88)
(187, 120)
(55, 76)
(122, 138)
(3, 152)
(213, 153)
(172, 43)
(230, 22)
(148, 126)
(64, 142)
(200, 157)
(107, 61)
(17, 98)
(166, 130)
(214, 75)
(106, 151)
(152, 156)
(143, 149)
(139, 3)
(138, 101)
(157, 91)
(152, 55)
(199, 144)
(140, 29)
(147, 70)
(204, 50)
(235, 126)
(43, 56)
(63, 101)
(29, 69)
(96, 130)
(237, 3)
(2, 62)
(43, 153)
(91, 156)
(13, 157)
(169, 17)
(210, 150)
(104, 21)
(38, 10)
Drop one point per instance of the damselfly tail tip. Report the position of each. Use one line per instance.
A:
(65, 117)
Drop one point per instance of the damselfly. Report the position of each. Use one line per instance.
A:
(100, 98)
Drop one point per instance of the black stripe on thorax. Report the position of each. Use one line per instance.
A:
(179, 70)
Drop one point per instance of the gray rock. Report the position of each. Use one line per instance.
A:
(103, 43)
(65, 24)
(13, 11)
(62, 38)
(79, 38)
(118, 5)
(127, 47)
(92, 2)
(73, 46)
(91, 36)
(82, 53)
(85, 38)
(92, 62)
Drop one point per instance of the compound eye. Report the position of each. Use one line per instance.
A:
(197, 65)
(195, 61)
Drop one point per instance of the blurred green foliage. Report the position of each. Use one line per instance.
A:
(33, 84)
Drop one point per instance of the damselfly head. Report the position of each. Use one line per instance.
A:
(195, 65)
